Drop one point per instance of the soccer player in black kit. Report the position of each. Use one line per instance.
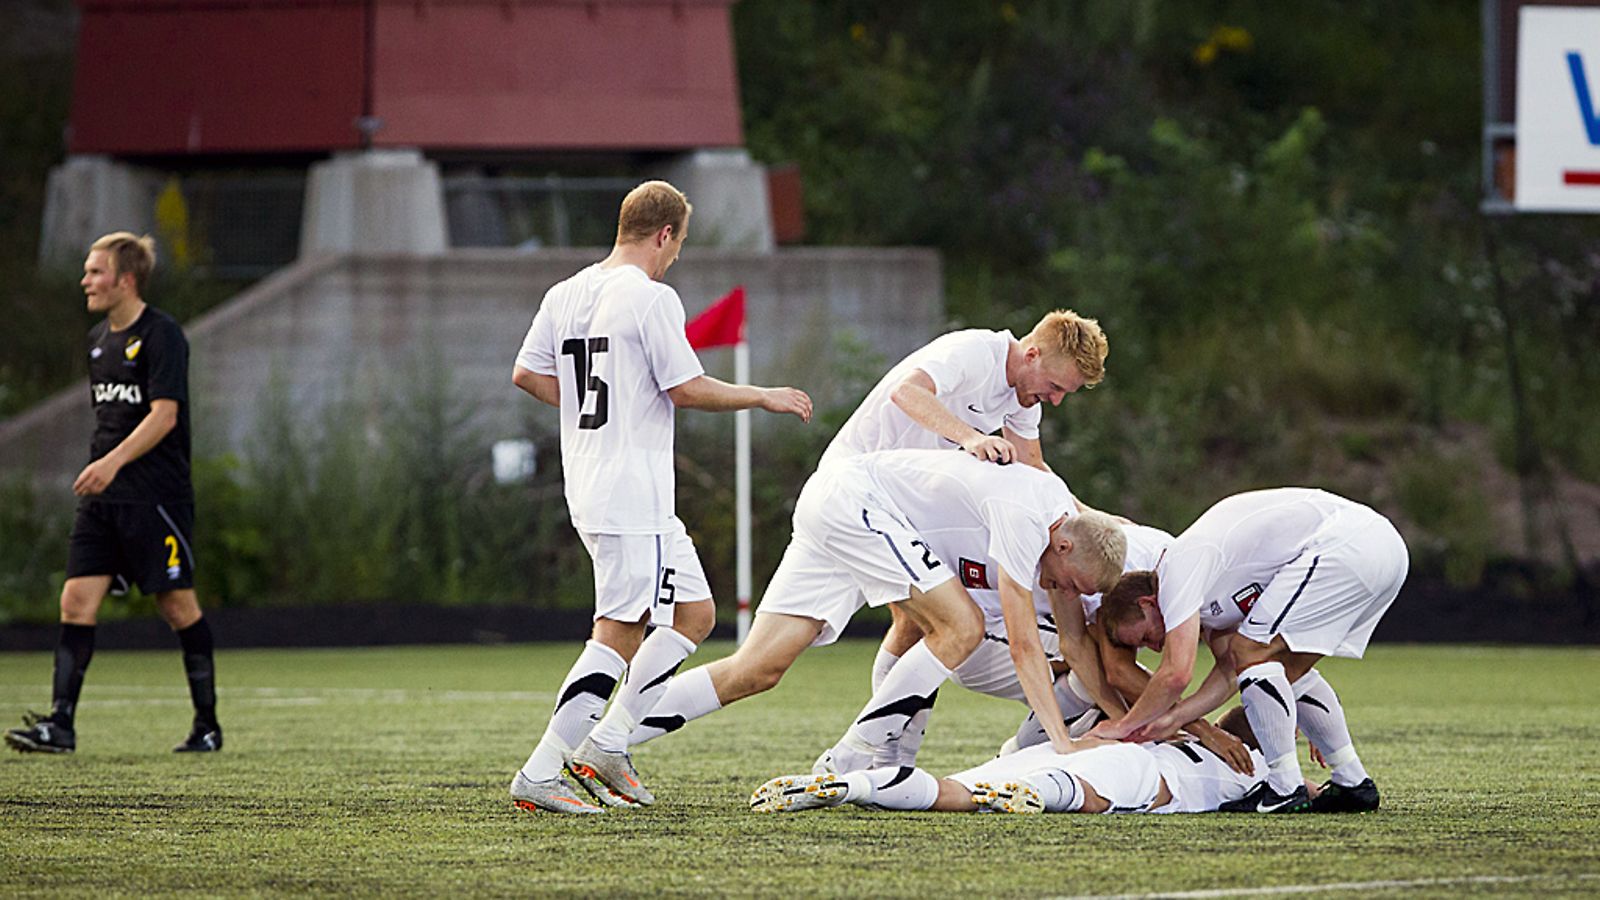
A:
(136, 515)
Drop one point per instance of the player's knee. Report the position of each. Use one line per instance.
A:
(78, 604)
(695, 620)
(1247, 653)
(960, 631)
(180, 609)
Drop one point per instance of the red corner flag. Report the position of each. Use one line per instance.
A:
(721, 325)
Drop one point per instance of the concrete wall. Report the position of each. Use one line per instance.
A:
(360, 327)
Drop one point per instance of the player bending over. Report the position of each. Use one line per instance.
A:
(1168, 777)
(607, 346)
(854, 540)
(1275, 580)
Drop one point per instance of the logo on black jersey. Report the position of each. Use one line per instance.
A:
(94, 352)
(1246, 597)
(132, 350)
(974, 575)
(118, 393)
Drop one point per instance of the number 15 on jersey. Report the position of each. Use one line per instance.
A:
(592, 392)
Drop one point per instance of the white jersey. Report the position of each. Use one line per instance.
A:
(968, 369)
(978, 517)
(1200, 781)
(1219, 566)
(1146, 544)
(614, 339)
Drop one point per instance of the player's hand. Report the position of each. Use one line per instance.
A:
(1108, 731)
(990, 448)
(1316, 755)
(792, 401)
(95, 478)
(1158, 729)
(1231, 749)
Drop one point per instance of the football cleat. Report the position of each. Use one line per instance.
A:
(1010, 797)
(1338, 798)
(41, 734)
(551, 795)
(605, 773)
(793, 793)
(205, 738)
(1263, 799)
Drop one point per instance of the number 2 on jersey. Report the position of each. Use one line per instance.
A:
(583, 351)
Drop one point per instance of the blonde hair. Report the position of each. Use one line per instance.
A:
(1063, 334)
(650, 207)
(1099, 547)
(130, 253)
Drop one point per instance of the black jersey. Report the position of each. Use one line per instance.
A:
(148, 360)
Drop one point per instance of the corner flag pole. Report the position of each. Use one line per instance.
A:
(722, 325)
(741, 483)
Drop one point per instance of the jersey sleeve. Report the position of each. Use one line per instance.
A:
(958, 363)
(1016, 540)
(1187, 576)
(666, 348)
(1025, 421)
(168, 352)
(538, 347)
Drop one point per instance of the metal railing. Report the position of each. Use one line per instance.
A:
(549, 211)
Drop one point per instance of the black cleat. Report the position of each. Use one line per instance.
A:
(1263, 799)
(41, 734)
(1337, 798)
(203, 739)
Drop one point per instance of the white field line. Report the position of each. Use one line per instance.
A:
(1334, 887)
(138, 695)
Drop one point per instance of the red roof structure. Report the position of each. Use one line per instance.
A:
(260, 77)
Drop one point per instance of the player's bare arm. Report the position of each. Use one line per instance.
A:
(544, 388)
(1079, 649)
(1166, 686)
(1029, 453)
(157, 424)
(916, 396)
(1027, 654)
(713, 395)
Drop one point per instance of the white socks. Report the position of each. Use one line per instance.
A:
(904, 788)
(1321, 717)
(1071, 696)
(908, 689)
(583, 696)
(687, 697)
(1058, 789)
(648, 676)
(881, 664)
(1269, 705)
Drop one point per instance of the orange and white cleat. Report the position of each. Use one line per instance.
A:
(550, 795)
(607, 774)
(793, 793)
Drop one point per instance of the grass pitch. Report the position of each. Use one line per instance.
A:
(384, 771)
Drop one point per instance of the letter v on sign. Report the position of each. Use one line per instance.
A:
(1580, 86)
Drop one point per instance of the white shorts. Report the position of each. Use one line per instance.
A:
(990, 669)
(850, 546)
(640, 574)
(1124, 774)
(1329, 600)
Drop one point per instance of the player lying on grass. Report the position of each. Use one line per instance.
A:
(853, 540)
(1170, 777)
(1276, 580)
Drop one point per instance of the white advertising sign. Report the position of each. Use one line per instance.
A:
(1558, 120)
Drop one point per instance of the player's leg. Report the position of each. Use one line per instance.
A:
(1321, 716)
(1072, 695)
(1268, 700)
(56, 731)
(775, 641)
(181, 610)
(954, 628)
(684, 616)
(903, 788)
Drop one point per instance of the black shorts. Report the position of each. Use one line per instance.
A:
(134, 543)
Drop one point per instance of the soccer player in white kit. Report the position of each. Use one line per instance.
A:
(1164, 777)
(607, 347)
(1276, 579)
(865, 530)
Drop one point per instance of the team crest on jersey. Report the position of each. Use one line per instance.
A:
(132, 350)
(974, 575)
(1246, 597)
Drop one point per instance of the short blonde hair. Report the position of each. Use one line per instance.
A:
(650, 207)
(130, 253)
(1063, 334)
(1099, 547)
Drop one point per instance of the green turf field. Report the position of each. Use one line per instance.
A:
(384, 771)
